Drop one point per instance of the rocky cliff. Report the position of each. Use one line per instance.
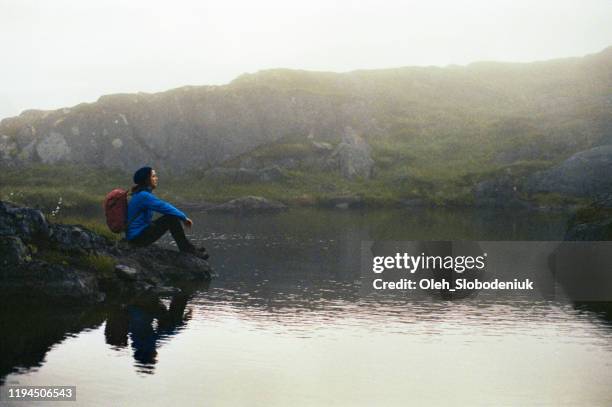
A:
(551, 109)
(584, 174)
(179, 130)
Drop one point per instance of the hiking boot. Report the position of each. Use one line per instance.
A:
(202, 253)
(191, 249)
(196, 251)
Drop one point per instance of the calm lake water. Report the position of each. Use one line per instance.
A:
(288, 323)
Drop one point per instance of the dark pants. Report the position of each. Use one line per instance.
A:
(157, 229)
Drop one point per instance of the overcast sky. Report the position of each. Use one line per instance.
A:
(58, 53)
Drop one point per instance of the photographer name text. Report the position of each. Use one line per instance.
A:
(454, 285)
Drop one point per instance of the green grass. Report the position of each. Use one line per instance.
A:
(299, 188)
(96, 225)
(55, 257)
(554, 199)
(75, 189)
(592, 214)
(440, 168)
(67, 198)
(449, 183)
(98, 263)
(101, 264)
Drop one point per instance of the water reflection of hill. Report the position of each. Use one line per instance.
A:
(397, 224)
(146, 323)
(29, 330)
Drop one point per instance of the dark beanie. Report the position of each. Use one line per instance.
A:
(142, 175)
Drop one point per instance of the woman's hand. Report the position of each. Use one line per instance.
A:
(188, 222)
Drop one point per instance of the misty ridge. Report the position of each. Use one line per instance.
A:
(485, 134)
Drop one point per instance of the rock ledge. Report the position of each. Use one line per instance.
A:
(70, 262)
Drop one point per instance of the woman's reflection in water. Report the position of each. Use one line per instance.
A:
(146, 322)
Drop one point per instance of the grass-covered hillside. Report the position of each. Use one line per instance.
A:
(433, 133)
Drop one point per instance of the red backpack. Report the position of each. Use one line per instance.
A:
(115, 209)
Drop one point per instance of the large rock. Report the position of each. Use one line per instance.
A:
(585, 174)
(13, 252)
(249, 204)
(501, 192)
(592, 223)
(74, 263)
(59, 281)
(153, 264)
(29, 224)
(592, 232)
(75, 238)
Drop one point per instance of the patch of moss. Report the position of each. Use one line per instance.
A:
(554, 199)
(101, 264)
(592, 214)
(55, 257)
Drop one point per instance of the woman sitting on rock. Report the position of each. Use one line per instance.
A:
(141, 229)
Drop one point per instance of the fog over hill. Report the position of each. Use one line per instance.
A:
(498, 113)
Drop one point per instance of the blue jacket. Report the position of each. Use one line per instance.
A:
(140, 212)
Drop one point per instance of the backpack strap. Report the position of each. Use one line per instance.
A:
(133, 218)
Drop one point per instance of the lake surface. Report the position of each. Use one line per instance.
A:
(288, 323)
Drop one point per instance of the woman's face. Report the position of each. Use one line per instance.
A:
(153, 179)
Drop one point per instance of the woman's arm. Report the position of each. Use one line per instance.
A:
(161, 206)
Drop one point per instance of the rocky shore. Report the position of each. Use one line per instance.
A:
(72, 263)
(592, 223)
(249, 204)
